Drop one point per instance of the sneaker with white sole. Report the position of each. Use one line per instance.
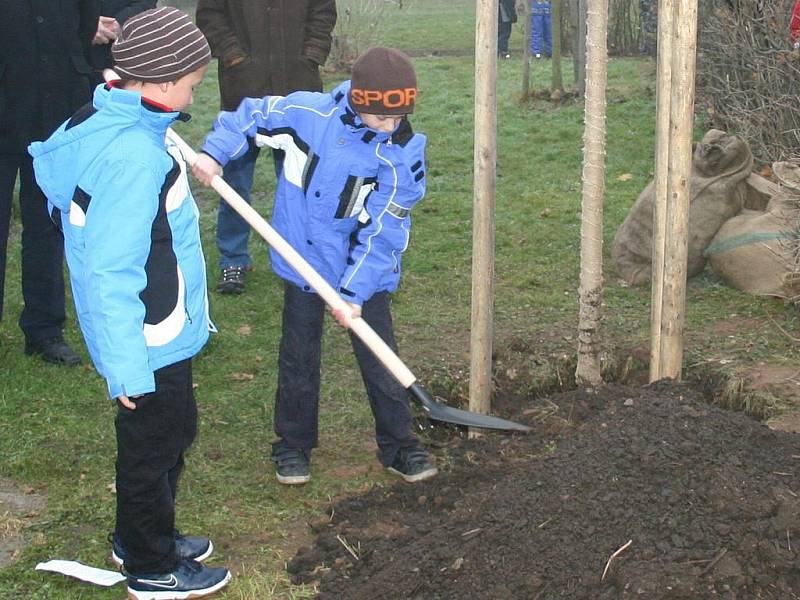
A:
(189, 579)
(292, 465)
(413, 464)
(186, 546)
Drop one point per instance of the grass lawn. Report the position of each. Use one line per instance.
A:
(56, 426)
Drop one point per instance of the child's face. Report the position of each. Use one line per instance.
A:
(384, 123)
(180, 94)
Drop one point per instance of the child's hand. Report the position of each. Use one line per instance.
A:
(206, 168)
(341, 314)
(126, 402)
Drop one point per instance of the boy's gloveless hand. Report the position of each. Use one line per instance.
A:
(205, 168)
(126, 403)
(340, 314)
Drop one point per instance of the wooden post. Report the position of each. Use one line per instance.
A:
(525, 13)
(555, 20)
(678, 193)
(485, 158)
(579, 53)
(663, 87)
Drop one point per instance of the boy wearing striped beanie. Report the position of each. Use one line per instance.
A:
(118, 188)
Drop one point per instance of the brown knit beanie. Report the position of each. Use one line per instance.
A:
(383, 82)
(159, 45)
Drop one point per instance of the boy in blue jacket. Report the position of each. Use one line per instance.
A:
(121, 195)
(352, 173)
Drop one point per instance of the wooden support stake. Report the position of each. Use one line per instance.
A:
(485, 167)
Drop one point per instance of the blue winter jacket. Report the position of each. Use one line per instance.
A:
(345, 192)
(131, 237)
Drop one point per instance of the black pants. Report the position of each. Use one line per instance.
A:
(503, 35)
(297, 397)
(151, 442)
(42, 251)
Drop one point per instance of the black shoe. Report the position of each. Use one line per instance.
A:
(291, 465)
(190, 579)
(53, 350)
(231, 280)
(196, 548)
(413, 464)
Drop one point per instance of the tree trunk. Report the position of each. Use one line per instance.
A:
(555, 20)
(591, 284)
(579, 55)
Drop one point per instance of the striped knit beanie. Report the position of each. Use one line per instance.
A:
(383, 82)
(159, 45)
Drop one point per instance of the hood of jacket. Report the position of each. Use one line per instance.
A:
(95, 129)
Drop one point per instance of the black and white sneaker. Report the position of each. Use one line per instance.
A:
(186, 546)
(231, 280)
(190, 579)
(291, 465)
(413, 464)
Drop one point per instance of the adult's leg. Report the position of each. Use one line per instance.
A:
(233, 232)
(151, 442)
(9, 166)
(42, 262)
(536, 33)
(387, 398)
(503, 35)
(297, 396)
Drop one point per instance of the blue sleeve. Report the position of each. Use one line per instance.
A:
(118, 237)
(228, 137)
(380, 244)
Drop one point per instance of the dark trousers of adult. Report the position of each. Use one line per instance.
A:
(42, 251)
(151, 442)
(297, 397)
(503, 35)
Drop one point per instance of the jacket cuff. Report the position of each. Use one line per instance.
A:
(218, 154)
(134, 387)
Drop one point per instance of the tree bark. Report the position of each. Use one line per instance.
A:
(588, 371)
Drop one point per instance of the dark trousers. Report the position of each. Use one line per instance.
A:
(151, 442)
(297, 397)
(503, 35)
(42, 251)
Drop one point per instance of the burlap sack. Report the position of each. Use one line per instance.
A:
(756, 251)
(720, 164)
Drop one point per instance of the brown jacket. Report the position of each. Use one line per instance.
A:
(267, 46)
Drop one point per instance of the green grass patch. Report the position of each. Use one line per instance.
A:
(56, 426)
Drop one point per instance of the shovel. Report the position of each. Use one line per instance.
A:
(436, 410)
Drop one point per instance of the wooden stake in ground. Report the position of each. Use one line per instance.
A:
(594, 154)
(557, 84)
(485, 159)
(667, 358)
(525, 15)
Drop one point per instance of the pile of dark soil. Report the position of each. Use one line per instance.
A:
(624, 493)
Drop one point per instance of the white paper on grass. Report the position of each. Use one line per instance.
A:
(80, 571)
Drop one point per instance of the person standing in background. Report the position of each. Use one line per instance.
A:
(113, 14)
(264, 47)
(44, 78)
(541, 29)
(506, 17)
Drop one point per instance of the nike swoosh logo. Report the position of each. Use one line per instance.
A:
(170, 583)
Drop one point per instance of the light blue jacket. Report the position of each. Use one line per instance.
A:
(345, 192)
(131, 237)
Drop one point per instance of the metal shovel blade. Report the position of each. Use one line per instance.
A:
(441, 412)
